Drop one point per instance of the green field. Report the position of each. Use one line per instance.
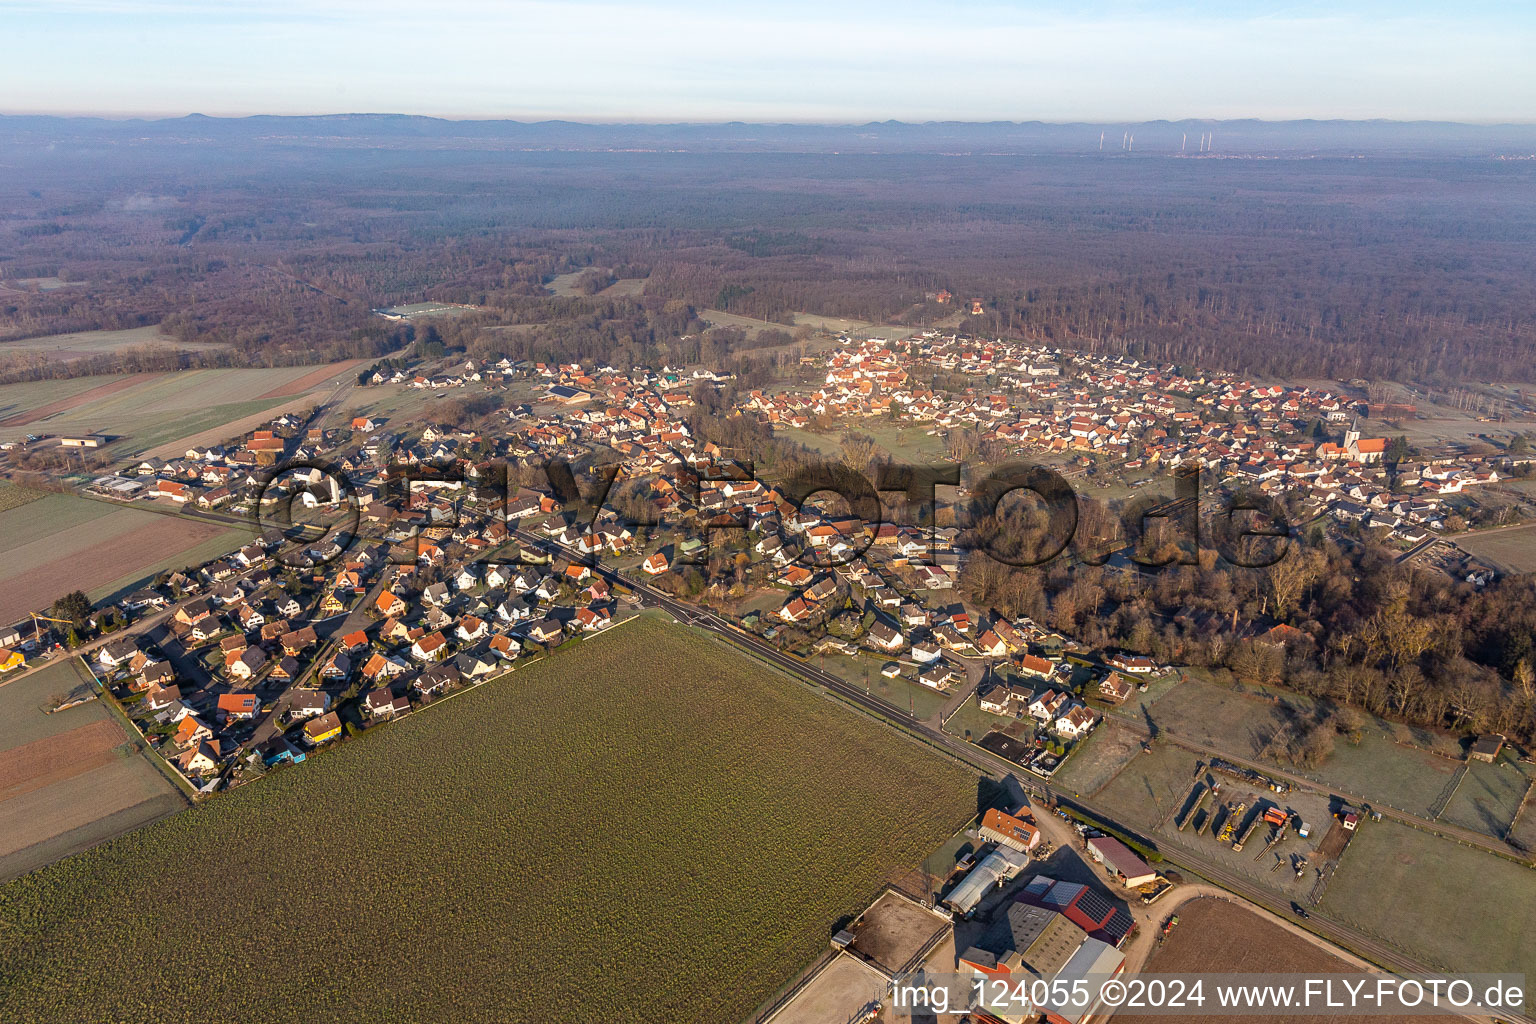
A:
(12, 496)
(903, 693)
(1096, 760)
(1151, 787)
(29, 395)
(1393, 764)
(1488, 797)
(972, 723)
(1512, 549)
(81, 344)
(903, 441)
(168, 407)
(1452, 906)
(576, 842)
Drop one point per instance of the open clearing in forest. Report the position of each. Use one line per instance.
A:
(64, 348)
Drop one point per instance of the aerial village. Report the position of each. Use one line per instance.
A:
(413, 592)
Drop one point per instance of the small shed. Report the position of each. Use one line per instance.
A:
(1486, 748)
(1120, 860)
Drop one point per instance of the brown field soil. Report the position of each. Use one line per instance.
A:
(1219, 937)
(302, 384)
(43, 762)
(80, 805)
(71, 779)
(76, 523)
(1333, 844)
(894, 929)
(103, 562)
(75, 401)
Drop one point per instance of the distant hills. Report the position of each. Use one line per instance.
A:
(1247, 137)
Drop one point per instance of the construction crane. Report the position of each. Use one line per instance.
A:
(37, 631)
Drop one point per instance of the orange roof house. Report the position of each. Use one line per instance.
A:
(1008, 830)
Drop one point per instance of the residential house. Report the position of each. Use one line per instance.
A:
(322, 729)
(239, 706)
(1075, 723)
(431, 647)
(308, 703)
(1115, 687)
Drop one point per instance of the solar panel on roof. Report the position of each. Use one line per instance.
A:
(1062, 893)
(1094, 906)
(1119, 923)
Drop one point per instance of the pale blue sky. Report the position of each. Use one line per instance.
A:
(791, 60)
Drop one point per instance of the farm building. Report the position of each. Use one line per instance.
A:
(1086, 907)
(1486, 748)
(1008, 830)
(1024, 939)
(1093, 962)
(1119, 859)
(997, 867)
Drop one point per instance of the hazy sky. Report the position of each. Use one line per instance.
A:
(775, 60)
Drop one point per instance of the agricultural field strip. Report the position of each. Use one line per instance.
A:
(41, 762)
(37, 521)
(571, 801)
(62, 543)
(29, 396)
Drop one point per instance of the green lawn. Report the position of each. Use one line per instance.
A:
(903, 692)
(1095, 760)
(972, 723)
(1152, 786)
(648, 826)
(1452, 906)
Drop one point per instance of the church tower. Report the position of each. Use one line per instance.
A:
(1352, 435)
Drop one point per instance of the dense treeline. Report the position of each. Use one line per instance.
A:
(1365, 631)
(1383, 268)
